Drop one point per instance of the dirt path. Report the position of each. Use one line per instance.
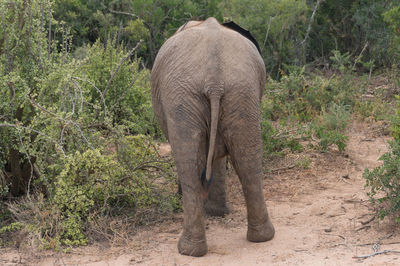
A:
(321, 216)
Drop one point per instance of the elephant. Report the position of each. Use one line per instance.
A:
(206, 84)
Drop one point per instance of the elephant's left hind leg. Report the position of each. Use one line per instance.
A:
(215, 204)
(188, 147)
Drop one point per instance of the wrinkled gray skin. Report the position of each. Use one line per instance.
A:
(207, 82)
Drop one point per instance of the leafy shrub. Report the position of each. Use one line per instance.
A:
(274, 141)
(298, 99)
(341, 61)
(331, 127)
(384, 181)
(71, 133)
(395, 123)
(376, 108)
(126, 178)
(301, 97)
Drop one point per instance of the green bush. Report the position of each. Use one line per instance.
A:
(384, 181)
(310, 105)
(332, 126)
(274, 140)
(127, 177)
(395, 123)
(72, 149)
(301, 97)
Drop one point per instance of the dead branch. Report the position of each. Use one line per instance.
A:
(283, 168)
(49, 44)
(376, 253)
(360, 55)
(41, 30)
(311, 21)
(368, 221)
(372, 243)
(94, 86)
(124, 13)
(119, 65)
(266, 35)
(363, 227)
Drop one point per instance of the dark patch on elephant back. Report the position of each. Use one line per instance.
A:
(233, 26)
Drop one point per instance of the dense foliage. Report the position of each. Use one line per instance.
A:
(289, 31)
(71, 130)
(384, 181)
(78, 138)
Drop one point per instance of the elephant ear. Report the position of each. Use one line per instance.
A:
(233, 26)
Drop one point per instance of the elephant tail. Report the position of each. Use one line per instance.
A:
(214, 95)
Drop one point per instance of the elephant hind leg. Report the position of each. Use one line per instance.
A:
(215, 204)
(188, 146)
(245, 147)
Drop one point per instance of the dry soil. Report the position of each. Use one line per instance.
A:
(317, 202)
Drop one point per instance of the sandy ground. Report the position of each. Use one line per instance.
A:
(321, 214)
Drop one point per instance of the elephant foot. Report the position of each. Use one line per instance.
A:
(192, 247)
(214, 209)
(260, 233)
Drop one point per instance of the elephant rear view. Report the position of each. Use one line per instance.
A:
(207, 82)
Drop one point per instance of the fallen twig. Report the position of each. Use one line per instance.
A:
(371, 243)
(368, 221)
(363, 227)
(375, 253)
(283, 168)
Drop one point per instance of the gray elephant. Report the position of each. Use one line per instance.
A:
(207, 82)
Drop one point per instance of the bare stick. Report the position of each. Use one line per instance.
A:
(363, 227)
(360, 55)
(266, 35)
(283, 168)
(375, 253)
(94, 86)
(41, 30)
(368, 221)
(311, 21)
(124, 13)
(49, 44)
(119, 65)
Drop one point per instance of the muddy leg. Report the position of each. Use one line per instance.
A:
(215, 204)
